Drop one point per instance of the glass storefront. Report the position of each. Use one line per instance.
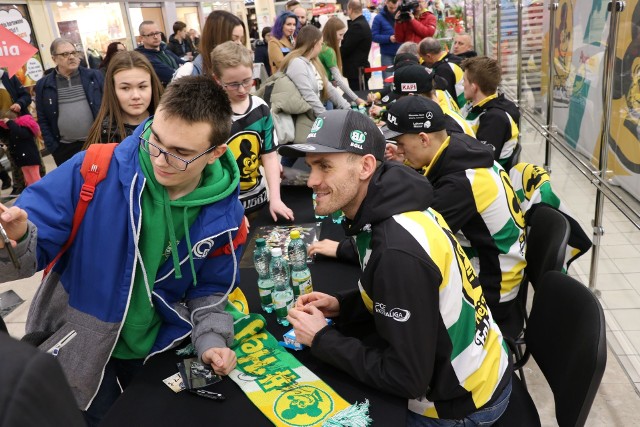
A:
(91, 25)
(15, 18)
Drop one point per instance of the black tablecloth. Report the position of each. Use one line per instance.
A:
(147, 401)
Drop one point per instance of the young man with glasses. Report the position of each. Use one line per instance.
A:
(155, 257)
(164, 62)
(253, 139)
(67, 101)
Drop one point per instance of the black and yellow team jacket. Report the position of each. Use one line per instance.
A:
(476, 198)
(495, 121)
(439, 346)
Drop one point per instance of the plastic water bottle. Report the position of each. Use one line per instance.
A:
(300, 273)
(261, 260)
(282, 293)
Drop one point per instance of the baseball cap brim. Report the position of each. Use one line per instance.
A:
(388, 133)
(301, 150)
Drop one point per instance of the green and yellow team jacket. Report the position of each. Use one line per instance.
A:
(475, 196)
(438, 345)
(495, 121)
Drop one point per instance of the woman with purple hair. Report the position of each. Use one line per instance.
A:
(282, 40)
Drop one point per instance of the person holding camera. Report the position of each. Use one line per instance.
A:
(414, 22)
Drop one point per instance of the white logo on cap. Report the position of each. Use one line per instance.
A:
(408, 87)
(317, 124)
(429, 115)
(392, 119)
(357, 138)
(385, 99)
(306, 147)
(427, 124)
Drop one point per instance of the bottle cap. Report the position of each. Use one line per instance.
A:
(276, 252)
(261, 243)
(295, 234)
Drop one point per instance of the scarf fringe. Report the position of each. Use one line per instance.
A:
(356, 415)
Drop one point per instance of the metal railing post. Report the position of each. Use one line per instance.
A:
(615, 8)
(499, 30)
(550, 71)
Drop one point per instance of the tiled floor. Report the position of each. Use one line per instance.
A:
(617, 402)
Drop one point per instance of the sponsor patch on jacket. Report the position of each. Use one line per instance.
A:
(397, 314)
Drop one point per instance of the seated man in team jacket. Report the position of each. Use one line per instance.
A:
(473, 194)
(439, 346)
(494, 118)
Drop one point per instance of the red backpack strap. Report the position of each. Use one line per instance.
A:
(94, 169)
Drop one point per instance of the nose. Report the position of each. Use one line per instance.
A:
(313, 180)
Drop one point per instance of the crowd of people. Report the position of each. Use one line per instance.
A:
(422, 179)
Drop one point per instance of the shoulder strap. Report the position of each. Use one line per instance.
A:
(94, 169)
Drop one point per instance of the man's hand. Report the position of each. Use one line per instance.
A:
(324, 247)
(391, 153)
(14, 222)
(277, 207)
(15, 108)
(222, 360)
(372, 97)
(375, 111)
(328, 305)
(306, 323)
(392, 39)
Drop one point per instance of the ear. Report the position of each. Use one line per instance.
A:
(216, 153)
(367, 166)
(425, 141)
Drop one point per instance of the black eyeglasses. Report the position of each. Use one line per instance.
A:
(154, 34)
(65, 55)
(172, 160)
(236, 86)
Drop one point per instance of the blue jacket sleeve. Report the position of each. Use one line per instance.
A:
(377, 31)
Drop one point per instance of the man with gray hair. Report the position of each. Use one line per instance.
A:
(463, 46)
(164, 62)
(67, 102)
(445, 66)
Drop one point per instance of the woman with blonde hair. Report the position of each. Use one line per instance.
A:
(307, 73)
(331, 59)
(132, 91)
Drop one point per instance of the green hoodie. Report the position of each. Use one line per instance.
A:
(164, 223)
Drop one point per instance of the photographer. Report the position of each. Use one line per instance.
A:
(414, 22)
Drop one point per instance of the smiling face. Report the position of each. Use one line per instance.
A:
(185, 140)
(133, 90)
(334, 179)
(340, 35)
(289, 27)
(238, 74)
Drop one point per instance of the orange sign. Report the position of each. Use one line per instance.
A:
(14, 52)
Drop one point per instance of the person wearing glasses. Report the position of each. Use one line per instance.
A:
(253, 139)
(165, 63)
(155, 257)
(67, 102)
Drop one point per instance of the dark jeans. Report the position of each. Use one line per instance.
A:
(66, 151)
(118, 374)
(482, 417)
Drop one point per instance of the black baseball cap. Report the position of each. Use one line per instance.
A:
(413, 114)
(340, 131)
(412, 78)
(403, 59)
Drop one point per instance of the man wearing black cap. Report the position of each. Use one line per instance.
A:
(473, 194)
(437, 343)
(414, 79)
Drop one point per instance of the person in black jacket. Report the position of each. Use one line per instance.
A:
(33, 389)
(164, 62)
(356, 45)
(180, 42)
(261, 52)
(431, 338)
(19, 133)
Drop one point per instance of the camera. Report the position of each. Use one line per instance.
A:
(406, 9)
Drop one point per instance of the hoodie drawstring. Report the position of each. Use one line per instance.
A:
(189, 248)
(172, 235)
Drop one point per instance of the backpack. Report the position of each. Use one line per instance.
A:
(94, 169)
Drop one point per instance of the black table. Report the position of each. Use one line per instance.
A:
(148, 402)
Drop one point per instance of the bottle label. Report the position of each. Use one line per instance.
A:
(302, 285)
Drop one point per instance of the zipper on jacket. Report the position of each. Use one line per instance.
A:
(64, 341)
